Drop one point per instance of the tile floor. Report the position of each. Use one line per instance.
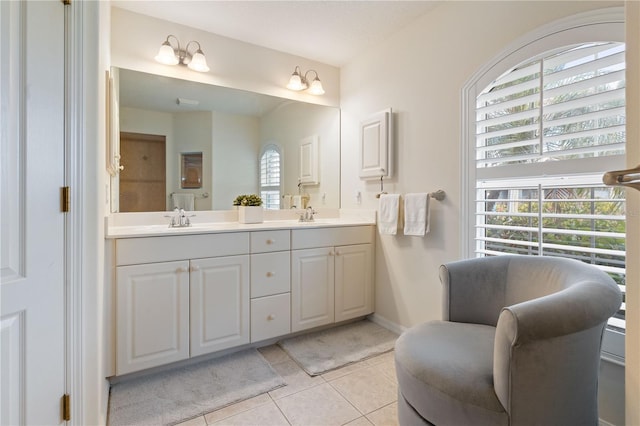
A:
(359, 394)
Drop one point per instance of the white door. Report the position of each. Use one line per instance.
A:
(312, 288)
(152, 315)
(219, 303)
(354, 286)
(32, 293)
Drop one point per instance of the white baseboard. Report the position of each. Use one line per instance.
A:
(603, 423)
(389, 325)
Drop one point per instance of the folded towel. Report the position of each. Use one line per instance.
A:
(388, 214)
(183, 200)
(416, 214)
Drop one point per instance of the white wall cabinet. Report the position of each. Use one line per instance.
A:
(333, 282)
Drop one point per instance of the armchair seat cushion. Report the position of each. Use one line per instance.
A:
(450, 379)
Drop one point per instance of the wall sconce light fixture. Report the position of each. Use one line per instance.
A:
(300, 82)
(170, 55)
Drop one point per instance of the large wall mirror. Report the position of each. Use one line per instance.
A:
(165, 130)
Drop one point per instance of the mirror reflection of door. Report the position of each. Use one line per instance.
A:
(143, 179)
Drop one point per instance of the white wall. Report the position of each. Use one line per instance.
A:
(234, 158)
(135, 40)
(287, 126)
(191, 133)
(419, 72)
(632, 357)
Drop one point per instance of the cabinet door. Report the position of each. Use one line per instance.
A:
(152, 320)
(312, 292)
(354, 284)
(219, 303)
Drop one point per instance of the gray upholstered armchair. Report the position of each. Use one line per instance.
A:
(519, 345)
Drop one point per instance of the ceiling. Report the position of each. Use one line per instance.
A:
(327, 31)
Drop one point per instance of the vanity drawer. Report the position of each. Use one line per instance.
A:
(132, 251)
(270, 273)
(270, 317)
(266, 241)
(327, 237)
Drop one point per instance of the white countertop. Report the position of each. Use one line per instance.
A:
(129, 225)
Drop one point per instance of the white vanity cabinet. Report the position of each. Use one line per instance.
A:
(152, 315)
(219, 312)
(270, 284)
(331, 275)
(180, 296)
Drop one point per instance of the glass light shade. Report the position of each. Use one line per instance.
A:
(198, 62)
(295, 82)
(316, 87)
(166, 55)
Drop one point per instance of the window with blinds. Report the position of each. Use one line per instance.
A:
(545, 133)
(270, 178)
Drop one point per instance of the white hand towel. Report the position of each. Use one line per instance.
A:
(388, 214)
(183, 200)
(416, 214)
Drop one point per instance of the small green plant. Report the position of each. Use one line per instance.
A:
(247, 200)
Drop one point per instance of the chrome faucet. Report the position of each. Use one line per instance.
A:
(307, 215)
(179, 219)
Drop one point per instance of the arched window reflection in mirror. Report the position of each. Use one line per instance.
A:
(270, 176)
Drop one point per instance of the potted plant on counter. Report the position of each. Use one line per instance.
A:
(249, 208)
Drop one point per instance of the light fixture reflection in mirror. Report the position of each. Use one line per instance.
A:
(229, 127)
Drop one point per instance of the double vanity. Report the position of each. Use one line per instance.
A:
(179, 293)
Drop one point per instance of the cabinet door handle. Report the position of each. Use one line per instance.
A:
(331, 253)
(337, 252)
(195, 268)
(270, 274)
(270, 241)
(271, 317)
(181, 269)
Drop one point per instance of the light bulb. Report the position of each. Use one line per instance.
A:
(198, 62)
(316, 87)
(295, 82)
(166, 55)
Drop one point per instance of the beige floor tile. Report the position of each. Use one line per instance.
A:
(385, 416)
(238, 407)
(320, 405)
(343, 371)
(295, 378)
(197, 421)
(367, 389)
(385, 357)
(360, 421)
(388, 368)
(274, 354)
(263, 415)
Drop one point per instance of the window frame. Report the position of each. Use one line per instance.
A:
(271, 147)
(593, 26)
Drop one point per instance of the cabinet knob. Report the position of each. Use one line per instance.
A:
(337, 252)
(331, 253)
(270, 241)
(271, 317)
(181, 269)
(270, 274)
(195, 268)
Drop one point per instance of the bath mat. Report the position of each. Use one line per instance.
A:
(327, 350)
(176, 395)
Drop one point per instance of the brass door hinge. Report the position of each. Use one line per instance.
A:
(65, 202)
(66, 407)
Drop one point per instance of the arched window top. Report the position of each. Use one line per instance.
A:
(270, 176)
